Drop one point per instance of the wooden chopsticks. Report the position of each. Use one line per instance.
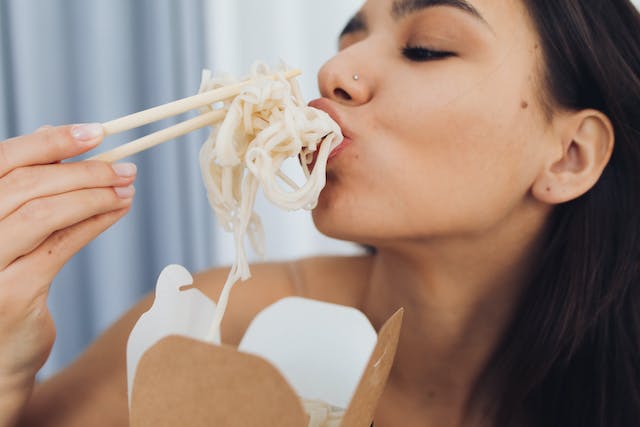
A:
(164, 111)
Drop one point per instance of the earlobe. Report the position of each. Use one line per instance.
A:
(586, 139)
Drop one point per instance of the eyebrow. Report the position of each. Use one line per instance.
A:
(355, 24)
(402, 8)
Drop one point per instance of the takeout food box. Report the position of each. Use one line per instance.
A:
(294, 349)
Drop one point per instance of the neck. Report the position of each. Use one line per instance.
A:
(459, 296)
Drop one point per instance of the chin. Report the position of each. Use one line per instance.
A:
(340, 214)
(340, 224)
(332, 224)
(327, 222)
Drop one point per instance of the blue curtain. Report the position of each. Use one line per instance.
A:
(69, 61)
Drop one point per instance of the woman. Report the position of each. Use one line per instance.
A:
(479, 163)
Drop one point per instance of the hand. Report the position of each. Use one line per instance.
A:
(48, 212)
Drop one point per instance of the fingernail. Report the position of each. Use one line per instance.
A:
(87, 132)
(125, 192)
(124, 169)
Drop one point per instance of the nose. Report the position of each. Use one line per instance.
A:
(346, 79)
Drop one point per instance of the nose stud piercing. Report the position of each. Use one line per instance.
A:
(356, 77)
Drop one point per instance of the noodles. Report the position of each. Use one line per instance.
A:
(322, 414)
(266, 124)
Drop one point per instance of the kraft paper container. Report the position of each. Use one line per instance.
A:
(296, 349)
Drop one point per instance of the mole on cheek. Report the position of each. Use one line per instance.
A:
(524, 105)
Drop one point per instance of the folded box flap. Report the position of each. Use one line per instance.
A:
(326, 352)
(174, 312)
(186, 382)
(320, 348)
(365, 401)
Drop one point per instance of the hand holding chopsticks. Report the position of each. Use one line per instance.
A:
(180, 106)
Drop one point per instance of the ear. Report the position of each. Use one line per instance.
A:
(585, 143)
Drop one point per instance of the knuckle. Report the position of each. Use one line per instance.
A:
(107, 197)
(54, 139)
(21, 179)
(48, 136)
(57, 242)
(96, 200)
(63, 244)
(36, 210)
(98, 170)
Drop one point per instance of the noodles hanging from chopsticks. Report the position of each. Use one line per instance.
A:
(266, 123)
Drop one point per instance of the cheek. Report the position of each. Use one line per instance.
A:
(431, 179)
(455, 161)
(459, 167)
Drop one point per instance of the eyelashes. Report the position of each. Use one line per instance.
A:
(423, 54)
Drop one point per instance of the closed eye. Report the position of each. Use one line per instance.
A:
(422, 54)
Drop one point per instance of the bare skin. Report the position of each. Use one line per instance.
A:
(452, 168)
(93, 391)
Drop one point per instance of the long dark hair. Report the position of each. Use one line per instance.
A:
(571, 356)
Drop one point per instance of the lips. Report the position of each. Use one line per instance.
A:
(325, 105)
(346, 141)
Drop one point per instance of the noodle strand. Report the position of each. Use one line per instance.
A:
(266, 124)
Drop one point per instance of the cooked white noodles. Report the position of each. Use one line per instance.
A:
(322, 414)
(266, 123)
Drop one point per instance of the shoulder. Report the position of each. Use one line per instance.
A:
(333, 279)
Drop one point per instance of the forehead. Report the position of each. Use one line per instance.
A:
(502, 16)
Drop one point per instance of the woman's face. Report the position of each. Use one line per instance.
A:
(444, 126)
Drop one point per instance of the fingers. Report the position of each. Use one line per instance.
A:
(48, 145)
(37, 219)
(28, 183)
(62, 245)
(36, 270)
